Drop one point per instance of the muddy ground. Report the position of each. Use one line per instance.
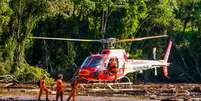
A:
(78, 98)
(138, 92)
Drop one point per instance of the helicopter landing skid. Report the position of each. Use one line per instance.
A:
(120, 85)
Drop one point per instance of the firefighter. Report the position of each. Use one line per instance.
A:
(74, 86)
(43, 88)
(113, 68)
(59, 88)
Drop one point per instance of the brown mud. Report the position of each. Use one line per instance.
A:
(139, 92)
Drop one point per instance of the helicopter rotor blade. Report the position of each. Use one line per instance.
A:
(65, 39)
(143, 38)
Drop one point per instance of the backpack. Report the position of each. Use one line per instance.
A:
(38, 83)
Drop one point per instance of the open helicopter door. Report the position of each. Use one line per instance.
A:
(167, 53)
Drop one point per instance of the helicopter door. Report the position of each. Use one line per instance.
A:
(113, 63)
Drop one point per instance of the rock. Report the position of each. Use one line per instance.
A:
(153, 97)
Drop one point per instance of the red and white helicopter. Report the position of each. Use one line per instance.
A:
(95, 66)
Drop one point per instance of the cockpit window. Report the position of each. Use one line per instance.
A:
(92, 61)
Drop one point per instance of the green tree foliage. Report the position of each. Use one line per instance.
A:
(21, 17)
(29, 73)
(187, 40)
(189, 13)
(24, 17)
(134, 13)
(5, 15)
(63, 7)
(96, 19)
(186, 58)
(160, 17)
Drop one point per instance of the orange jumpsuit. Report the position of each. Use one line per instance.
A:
(74, 87)
(43, 88)
(113, 69)
(59, 89)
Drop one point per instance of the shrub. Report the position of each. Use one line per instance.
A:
(27, 73)
(4, 69)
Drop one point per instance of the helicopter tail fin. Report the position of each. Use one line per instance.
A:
(167, 53)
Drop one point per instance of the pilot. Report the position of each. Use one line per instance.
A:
(113, 68)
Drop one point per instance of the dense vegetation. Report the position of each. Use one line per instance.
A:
(96, 19)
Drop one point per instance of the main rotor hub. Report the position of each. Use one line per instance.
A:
(110, 42)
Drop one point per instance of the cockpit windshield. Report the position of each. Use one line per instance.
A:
(92, 62)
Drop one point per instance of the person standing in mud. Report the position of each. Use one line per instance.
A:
(74, 86)
(59, 88)
(43, 87)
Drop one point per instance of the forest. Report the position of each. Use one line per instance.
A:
(26, 59)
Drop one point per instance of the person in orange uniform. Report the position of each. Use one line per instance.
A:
(59, 88)
(74, 86)
(113, 68)
(43, 87)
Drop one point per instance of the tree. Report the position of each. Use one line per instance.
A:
(5, 13)
(25, 16)
(189, 13)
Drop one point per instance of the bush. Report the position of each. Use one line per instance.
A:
(27, 73)
(4, 69)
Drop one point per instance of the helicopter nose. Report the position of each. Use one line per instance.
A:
(84, 73)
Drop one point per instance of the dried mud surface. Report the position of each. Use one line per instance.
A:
(139, 92)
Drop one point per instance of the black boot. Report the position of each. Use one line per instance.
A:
(47, 99)
(69, 98)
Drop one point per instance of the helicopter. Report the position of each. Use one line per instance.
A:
(96, 66)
